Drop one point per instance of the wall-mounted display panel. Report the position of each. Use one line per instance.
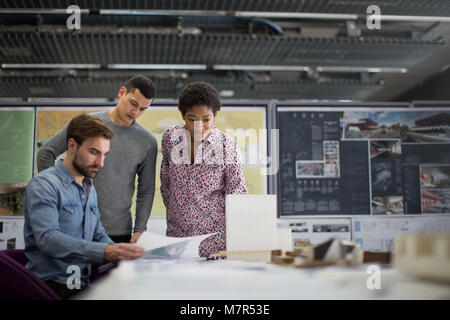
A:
(246, 124)
(360, 160)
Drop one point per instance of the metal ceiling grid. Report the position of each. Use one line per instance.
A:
(106, 87)
(128, 48)
(390, 7)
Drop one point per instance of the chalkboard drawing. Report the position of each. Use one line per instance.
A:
(435, 188)
(387, 205)
(409, 126)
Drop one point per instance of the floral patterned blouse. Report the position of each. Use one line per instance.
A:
(194, 194)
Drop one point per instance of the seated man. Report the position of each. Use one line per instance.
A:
(63, 233)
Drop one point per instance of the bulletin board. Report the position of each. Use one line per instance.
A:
(16, 145)
(11, 233)
(157, 119)
(16, 157)
(385, 160)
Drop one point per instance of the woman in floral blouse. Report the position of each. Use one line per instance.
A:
(200, 166)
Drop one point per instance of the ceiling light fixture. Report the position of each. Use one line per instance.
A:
(259, 67)
(49, 66)
(157, 66)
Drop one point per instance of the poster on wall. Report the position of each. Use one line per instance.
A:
(406, 125)
(313, 231)
(320, 174)
(435, 188)
(16, 145)
(360, 161)
(11, 233)
(386, 177)
(243, 123)
(379, 233)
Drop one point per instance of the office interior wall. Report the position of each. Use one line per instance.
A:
(317, 225)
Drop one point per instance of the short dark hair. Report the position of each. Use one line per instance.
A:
(144, 84)
(199, 94)
(85, 126)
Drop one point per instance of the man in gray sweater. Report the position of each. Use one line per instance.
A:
(133, 151)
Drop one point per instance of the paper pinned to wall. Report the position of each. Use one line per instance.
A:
(157, 246)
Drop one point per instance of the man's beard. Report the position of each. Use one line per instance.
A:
(84, 170)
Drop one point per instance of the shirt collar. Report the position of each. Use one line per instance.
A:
(213, 137)
(66, 176)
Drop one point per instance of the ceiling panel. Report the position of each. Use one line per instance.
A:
(331, 56)
(391, 7)
(106, 86)
(141, 48)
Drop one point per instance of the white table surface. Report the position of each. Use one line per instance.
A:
(237, 280)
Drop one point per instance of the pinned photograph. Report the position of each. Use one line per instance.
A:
(435, 200)
(417, 126)
(309, 169)
(435, 177)
(385, 148)
(391, 205)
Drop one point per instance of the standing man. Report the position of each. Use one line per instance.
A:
(63, 233)
(133, 151)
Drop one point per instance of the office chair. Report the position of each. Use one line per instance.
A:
(19, 283)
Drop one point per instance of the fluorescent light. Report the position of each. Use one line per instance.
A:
(158, 66)
(226, 93)
(162, 12)
(360, 69)
(69, 100)
(260, 67)
(411, 18)
(300, 15)
(49, 66)
(38, 11)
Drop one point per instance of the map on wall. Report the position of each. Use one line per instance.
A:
(157, 119)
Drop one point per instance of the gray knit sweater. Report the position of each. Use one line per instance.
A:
(133, 151)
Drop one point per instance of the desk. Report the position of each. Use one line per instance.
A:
(236, 280)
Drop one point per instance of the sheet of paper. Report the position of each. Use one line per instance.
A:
(157, 246)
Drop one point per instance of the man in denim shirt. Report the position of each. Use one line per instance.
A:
(63, 233)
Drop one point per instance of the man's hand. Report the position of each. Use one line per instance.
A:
(135, 237)
(122, 251)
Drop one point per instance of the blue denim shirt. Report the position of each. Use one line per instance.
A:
(55, 235)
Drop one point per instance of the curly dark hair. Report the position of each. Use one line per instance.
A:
(199, 94)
